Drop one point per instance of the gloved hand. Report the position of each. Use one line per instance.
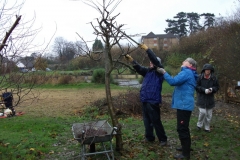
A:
(161, 70)
(210, 90)
(143, 46)
(128, 58)
(207, 91)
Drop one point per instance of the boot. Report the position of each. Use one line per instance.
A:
(180, 149)
(186, 146)
(180, 156)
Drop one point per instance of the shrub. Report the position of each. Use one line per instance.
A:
(140, 80)
(170, 70)
(15, 78)
(99, 76)
(175, 60)
(64, 79)
(125, 103)
(35, 79)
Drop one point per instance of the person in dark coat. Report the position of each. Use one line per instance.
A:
(183, 101)
(207, 86)
(150, 96)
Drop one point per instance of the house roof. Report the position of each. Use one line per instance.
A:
(28, 62)
(152, 35)
(20, 65)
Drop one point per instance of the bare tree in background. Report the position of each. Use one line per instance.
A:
(16, 40)
(111, 33)
(65, 50)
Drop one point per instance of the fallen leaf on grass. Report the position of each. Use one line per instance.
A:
(6, 144)
(206, 144)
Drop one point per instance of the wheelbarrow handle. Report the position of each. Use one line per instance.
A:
(83, 134)
(114, 129)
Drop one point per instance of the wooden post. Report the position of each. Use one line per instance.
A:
(225, 90)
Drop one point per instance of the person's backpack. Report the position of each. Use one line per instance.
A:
(8, 101)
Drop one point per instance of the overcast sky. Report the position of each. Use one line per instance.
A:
(139, 16)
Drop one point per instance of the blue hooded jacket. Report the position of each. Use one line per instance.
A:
(185, 83)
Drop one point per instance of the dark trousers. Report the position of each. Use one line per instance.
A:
(183, 119)
(152, 120)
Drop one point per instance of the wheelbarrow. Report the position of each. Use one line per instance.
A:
(94, 132)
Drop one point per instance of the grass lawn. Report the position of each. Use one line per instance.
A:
(47, 137)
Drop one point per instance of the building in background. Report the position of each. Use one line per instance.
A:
(160, 41)
(25, 64)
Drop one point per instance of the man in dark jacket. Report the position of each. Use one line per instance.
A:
(207, 86)
(150, 95)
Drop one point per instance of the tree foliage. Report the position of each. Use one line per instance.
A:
(97, 45)
(185, 24)
(178, 26)
(217, 45)
(40, 63)
(193, 21)
(209, 20)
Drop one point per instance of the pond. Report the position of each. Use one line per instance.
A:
(128, 82)
(122, 82)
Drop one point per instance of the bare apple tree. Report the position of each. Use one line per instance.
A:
(111, 33)
(16, 40)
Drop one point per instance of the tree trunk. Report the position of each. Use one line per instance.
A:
(111, 109)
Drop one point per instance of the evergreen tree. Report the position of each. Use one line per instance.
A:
(97, 45)
(178, 26)
(172, 27)
(193, 21)
(209, 20)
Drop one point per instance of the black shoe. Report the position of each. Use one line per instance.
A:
(146, 141)
(198, 129)
(163, 143)
(180, 149)
(208, 131)
(180, 156)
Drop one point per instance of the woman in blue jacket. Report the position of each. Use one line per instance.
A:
(150, 96)
(183, 101)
